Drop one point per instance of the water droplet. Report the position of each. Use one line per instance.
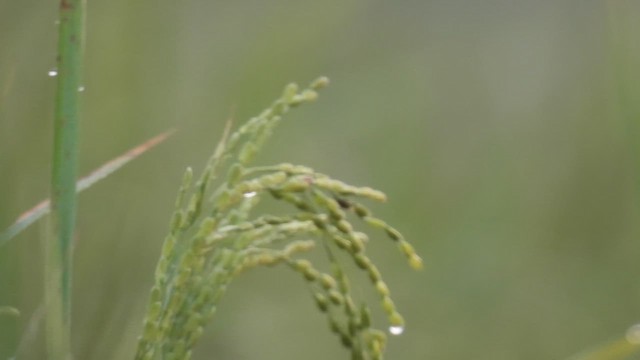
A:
(250, 194)
(52, 73)
(396, 330)
(81, 88)
(633, 334)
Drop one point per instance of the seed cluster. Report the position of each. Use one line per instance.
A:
(213, 238)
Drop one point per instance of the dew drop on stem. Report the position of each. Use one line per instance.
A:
(250, 194)
(396, 330)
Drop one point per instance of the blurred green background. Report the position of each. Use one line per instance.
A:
(504, 132)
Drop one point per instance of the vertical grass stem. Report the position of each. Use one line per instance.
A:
(58, 247)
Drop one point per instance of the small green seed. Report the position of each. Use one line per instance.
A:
(374, 273)
(302, 265)
(382, 288)
(357, 245)
(361, 211)
(334, 326)
(362, 261)
(311, 275)
(336, 297)
(235, 173)
(393, 233)
(321, 301)
(346, 341)
(344, 226)
(342, 243)
(372, 194)
(388, 305)
(328, 282)
(415, 262)
(309, 95)
(177, 220)
(247, 153)
(350, 307)
(154, 310)
(395, 319)
(296, 184)
(195, 336)
(320, 83)
(375, 222)
(365, 316)
(289, 92)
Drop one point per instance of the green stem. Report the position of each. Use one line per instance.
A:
(58, 246)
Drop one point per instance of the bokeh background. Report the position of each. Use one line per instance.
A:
(504, 132)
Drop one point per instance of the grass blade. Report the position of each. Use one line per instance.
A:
(41, 209)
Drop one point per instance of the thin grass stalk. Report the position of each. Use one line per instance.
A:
(58, 247)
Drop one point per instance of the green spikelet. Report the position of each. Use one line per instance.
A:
(213, 237)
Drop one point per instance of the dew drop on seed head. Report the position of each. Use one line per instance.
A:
(396, 330)
(250, 194)
(633, 334)
(53, 73)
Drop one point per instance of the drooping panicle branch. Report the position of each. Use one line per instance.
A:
(214, 238)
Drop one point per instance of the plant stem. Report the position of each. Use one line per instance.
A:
(58, 247)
